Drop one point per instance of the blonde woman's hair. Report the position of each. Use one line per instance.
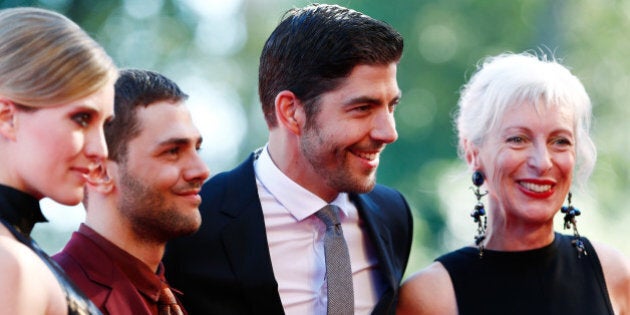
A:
(46, 59)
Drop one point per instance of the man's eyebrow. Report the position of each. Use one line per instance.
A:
(372, 100)
(171, 141)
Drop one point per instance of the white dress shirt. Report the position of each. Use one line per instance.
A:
(296, 244)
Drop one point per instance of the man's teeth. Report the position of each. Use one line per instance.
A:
(367, 156)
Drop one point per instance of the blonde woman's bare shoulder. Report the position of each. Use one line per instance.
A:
(429, 291)
(27, 286)
(616, 267)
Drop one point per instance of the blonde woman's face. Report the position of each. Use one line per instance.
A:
(56, 148)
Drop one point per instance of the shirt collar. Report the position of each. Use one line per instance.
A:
(298, 201)
(146, 281)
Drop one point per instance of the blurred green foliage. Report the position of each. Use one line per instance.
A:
(220, 40)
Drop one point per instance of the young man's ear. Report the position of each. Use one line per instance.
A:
(290, 112)
(99, 178)
(7, 118)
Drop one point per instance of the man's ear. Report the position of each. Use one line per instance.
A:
(100, 179)
(290, 112)
(7, 118)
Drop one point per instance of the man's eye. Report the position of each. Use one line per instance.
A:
(363, 108)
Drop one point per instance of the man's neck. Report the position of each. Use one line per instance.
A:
(122, 235)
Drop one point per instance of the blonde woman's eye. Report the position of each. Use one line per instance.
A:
(82, 119)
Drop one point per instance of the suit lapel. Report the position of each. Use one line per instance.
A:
(244, 239)
(379, 235)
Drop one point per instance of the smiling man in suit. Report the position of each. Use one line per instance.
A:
(328, 88)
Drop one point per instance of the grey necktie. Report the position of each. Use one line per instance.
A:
(338, 270)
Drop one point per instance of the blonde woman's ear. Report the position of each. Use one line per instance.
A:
(7, 118)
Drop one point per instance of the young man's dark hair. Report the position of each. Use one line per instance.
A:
(134, 89)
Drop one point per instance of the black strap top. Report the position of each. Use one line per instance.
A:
(19, 212)
(550, 280)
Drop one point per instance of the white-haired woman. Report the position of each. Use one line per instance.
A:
(523, 124)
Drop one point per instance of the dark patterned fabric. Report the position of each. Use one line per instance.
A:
(19, 212)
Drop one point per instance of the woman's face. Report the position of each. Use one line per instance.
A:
(528, 163)
(57, 147)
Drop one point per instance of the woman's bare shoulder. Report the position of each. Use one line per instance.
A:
(616, 268)
(27, 286)
(428, 291)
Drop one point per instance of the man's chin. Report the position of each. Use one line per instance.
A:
(361, 187)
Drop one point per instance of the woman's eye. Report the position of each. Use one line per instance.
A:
(563, 141)
(516, 139)
(83, 119)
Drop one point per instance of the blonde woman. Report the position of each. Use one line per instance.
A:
(56, 93)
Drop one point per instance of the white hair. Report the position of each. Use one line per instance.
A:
(513, 79)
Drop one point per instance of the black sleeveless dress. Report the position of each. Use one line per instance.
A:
(547, 281)
(19, 212)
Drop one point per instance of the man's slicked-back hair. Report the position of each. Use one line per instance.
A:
(134, 89)
(315, 47)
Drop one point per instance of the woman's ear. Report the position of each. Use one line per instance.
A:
(289, 111)
(7, 118)
(471, 152)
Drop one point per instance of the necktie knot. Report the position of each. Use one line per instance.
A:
(167, 303)
(329, 214)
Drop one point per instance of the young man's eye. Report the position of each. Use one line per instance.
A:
(82, 119)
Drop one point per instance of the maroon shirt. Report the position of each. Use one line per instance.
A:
(116, 281)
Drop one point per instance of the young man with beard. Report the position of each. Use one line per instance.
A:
(327, 83)
(146, 194)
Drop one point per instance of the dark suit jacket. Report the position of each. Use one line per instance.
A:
(225, 268)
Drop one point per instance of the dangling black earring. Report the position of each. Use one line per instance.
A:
(570, 213)
(479, 212)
